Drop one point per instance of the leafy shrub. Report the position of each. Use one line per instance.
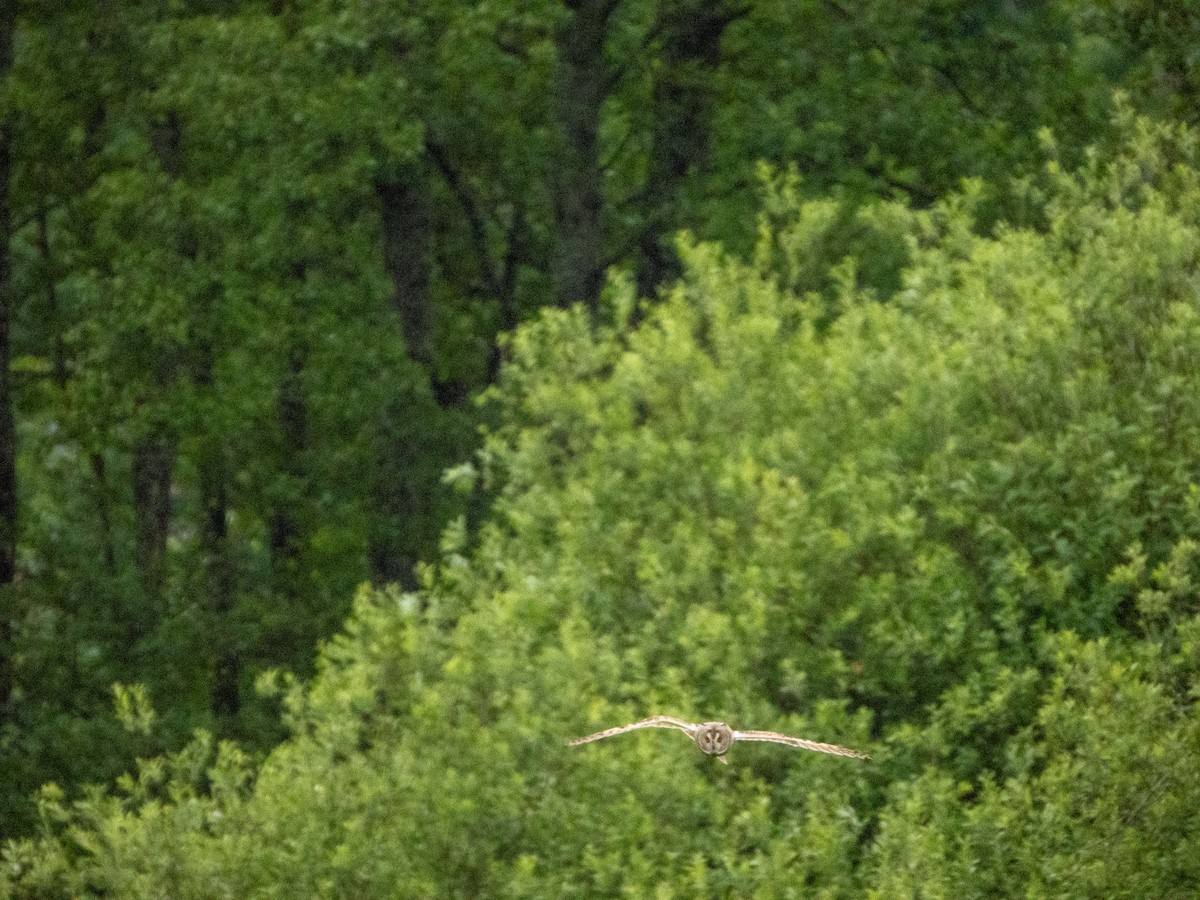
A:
(956, 528)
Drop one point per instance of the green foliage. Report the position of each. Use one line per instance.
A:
(261, 254)
(1098, 799)
(956, 528)
(1148, 48)
(905, 459)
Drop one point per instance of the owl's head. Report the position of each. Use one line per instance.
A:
(714, 738)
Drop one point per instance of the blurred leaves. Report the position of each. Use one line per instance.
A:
(904, 460)
(932, 528)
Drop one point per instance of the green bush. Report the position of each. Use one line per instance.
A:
(944, 509)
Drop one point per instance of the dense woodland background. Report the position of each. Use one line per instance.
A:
(393, 389)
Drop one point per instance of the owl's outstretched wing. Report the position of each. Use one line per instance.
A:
(652, 722)
(776, 738)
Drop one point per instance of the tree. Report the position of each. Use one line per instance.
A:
(927, 527)
(8, 437)
(260, 257)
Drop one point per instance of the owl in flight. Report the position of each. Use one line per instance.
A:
(715, 738)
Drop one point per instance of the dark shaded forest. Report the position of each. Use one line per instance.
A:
(392, 391)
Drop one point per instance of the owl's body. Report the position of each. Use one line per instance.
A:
(715, 738)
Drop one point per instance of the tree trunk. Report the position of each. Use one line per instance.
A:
(400, 514)
(219, 579)
(152, 462)
(216, 564)
(690, 33)
(406, 217)
(151, 468)
(59, 351)
(581, 84)
(406, 484)
(104, 511)
(8, 437)
(285, 532)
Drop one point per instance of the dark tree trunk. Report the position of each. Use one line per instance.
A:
(581, 84)
(406, 485)
(104, 511)
(151, 468)
(403, 478)
(8, 437)
(285, 535)
(690, 33)
(406, 217)
(59, 351)
(152, 462)
(219, 579)
(216, 565)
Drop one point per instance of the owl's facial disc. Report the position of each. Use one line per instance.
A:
(714, 738)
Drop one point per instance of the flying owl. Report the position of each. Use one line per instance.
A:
(715, 738)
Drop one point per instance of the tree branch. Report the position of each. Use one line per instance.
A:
(475, 219)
